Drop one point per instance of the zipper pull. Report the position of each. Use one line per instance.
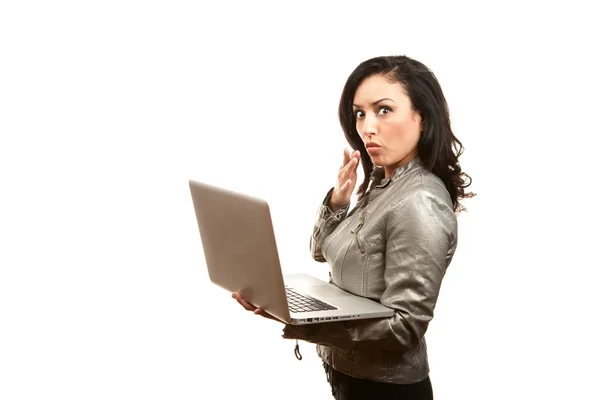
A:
(360, 225)
(297, 351)
(355, 232)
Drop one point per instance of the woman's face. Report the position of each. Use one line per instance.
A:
(386, 122)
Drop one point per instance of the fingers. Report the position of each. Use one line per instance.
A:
(346, 179)
(243, 302)
(350, 159)
(350, 156)
(353, 164)
(250, 307)
(346, 156)
(347, 185)
(349, 170)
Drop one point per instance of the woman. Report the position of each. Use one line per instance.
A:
(395, 245)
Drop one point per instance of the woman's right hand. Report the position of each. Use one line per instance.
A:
(346, 180)
(240, 299)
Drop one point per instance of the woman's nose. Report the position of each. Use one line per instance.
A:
(369, 126)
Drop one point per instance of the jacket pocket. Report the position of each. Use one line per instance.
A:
(359, 244)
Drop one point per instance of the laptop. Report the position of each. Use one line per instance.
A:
(241, 255)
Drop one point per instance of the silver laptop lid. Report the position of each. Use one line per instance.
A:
(239, 246)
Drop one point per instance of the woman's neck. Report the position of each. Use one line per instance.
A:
(389, 169)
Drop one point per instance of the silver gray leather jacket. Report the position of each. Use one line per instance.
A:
(393, 247)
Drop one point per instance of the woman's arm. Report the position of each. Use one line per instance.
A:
(335, 206)
(421, 238)
(327, 221)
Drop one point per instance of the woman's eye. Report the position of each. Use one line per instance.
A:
(384, 110)
(359, 114)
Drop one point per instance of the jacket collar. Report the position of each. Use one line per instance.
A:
(378, 175)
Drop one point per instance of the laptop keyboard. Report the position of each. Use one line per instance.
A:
(299, 303)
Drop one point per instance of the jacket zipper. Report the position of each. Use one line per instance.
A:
(355, 232)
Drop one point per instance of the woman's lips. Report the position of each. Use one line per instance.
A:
(372, 147)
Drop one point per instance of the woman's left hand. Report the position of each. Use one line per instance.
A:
(250, 307)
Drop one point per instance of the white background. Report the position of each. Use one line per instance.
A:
(108, 108)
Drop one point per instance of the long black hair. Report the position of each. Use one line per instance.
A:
(437, 148)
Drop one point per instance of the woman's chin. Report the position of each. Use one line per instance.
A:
(378, 162)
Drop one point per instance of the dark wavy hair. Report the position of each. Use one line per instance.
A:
(437, 148)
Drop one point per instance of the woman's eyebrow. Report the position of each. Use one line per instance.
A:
(375, 102)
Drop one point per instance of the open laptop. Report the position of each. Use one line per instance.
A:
(241, 255)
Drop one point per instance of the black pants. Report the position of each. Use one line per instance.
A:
(344, 387)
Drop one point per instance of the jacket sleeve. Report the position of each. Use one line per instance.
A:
(421, 238)
(326, 223)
